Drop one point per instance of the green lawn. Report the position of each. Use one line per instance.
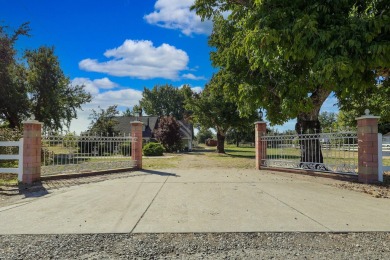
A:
(244, 152)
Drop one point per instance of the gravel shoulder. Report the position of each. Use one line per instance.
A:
(198, 246)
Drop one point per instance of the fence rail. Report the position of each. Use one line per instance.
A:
(16, 155)
(329, 152)
(71, 153)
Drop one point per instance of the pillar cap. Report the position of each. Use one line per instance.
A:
(259, 122)
(32, 121)
(367, 115)
(136, 122)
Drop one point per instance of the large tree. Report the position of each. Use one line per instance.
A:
(53, 99)
(35, 85)
(211, 109)
(289, 56)
(164, 100)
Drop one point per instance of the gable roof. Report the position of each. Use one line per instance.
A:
(148, 124)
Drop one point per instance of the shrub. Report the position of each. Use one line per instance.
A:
(153, 149)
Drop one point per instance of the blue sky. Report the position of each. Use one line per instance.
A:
(116, 48)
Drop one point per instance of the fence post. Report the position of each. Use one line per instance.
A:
(136, 144)
(31, 151)
(368, 148)
(261, 147)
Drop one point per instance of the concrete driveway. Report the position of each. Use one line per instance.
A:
(198, 200)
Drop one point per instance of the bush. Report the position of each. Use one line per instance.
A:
(153, 149)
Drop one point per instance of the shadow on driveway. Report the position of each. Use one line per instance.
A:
(160, 173)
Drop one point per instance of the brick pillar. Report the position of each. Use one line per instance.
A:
(136, 145)
(31, 151)
(368, 148)
(261, 145)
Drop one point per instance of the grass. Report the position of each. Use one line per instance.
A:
(242, 152)
(8, 179)
(160, 163)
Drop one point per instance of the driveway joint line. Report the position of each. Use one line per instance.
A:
(150, 204)
(297, 211)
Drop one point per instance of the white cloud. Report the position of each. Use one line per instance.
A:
(192, 76)
(124, 98)
(105, 83)
(176, 14)
(140, 59)
(94, 86)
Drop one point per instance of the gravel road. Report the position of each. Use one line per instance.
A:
(375, 245)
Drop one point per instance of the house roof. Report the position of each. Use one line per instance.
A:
(149, 123)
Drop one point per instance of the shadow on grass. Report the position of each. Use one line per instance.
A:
(160, 173)
(240, 156)
(201, 151)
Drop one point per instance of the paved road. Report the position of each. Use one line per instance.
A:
(197, 200)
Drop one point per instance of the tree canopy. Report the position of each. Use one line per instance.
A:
(35, 85)
(377, 100)
(164, 100)
(288, 56)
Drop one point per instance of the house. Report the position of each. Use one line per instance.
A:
(149, 123)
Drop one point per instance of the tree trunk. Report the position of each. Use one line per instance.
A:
(309, 131)
(220, 142)
(237, 139)
(13, 121)
(308, 128)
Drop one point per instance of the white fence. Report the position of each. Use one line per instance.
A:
(19, 157)
(77, 154)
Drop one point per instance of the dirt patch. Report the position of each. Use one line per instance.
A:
(376, 190)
